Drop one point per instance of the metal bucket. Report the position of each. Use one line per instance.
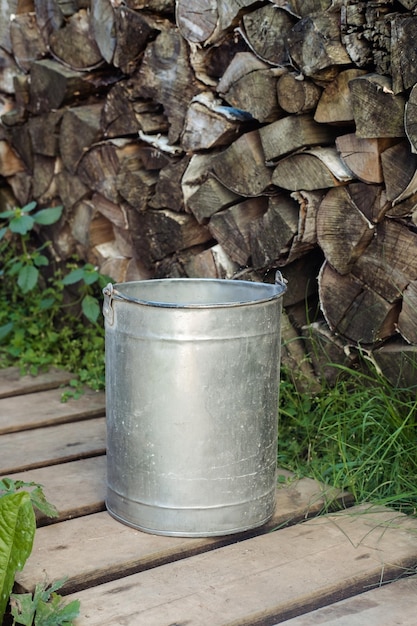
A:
(192, 379)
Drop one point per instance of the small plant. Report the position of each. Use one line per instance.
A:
(49, 314)
(18, 499)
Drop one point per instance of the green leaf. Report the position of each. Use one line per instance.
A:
(22, 224)
(48, 216)
(6, 214)
(27, 278)
(17, 530)
(41, 260)
(22, 608)
(91, 308)
(91, 277)
(5, 330)
(29, 207)
(39, 501)
(73, 277)
(3, 231)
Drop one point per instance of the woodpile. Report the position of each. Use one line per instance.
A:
(226, 139)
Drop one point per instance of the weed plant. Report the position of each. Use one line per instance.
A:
(49, 313)
(359, 435)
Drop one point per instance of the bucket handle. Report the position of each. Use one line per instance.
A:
(111, 293)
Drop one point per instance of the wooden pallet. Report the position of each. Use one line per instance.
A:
(304, 567)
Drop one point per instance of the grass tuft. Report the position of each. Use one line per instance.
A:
(359, 435)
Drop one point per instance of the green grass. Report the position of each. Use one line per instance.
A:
(359, 435)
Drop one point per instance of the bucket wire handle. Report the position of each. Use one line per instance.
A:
(279, 279)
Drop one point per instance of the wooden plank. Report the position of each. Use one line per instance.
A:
(30, 449)
(45, 408)
(75, 488)
(264, 580)
(12, 383)
(395, 603)
(96, 548)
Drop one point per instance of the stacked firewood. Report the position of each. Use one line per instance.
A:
(226, 139)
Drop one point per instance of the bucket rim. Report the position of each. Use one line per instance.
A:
(277, 289)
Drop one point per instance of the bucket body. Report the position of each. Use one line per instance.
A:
(192, 380)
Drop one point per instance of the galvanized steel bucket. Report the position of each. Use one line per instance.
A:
(192, 379)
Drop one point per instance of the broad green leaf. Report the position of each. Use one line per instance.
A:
(22, 608)
(5, 330)
(73, 277)
(91, 277)
(29, 207)
(3, 231)
(46, 303)
(17, 530)
(22, 224)
(6, 214)
(41, 260)
(48, 216)
(27, 278)
(91, 308)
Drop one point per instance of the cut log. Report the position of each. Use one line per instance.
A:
(403, 66)
(89, 227)
(241, 167)
(197, 22)
(80, 128)
(44, 186)
(363, 156)
(168, 191)
(272, 235)
(52, 85)
(365, 33)
(10, 163)
(335, 104)
(154, 6)
(314, 46)
(266, 31)
(291, 133)
(135, 184)
(370, 199)
(70, 189)
(115, 213)
(407, 320)
(118, 115)
(397, 361)
(353, 310)
(245, 78)
(316, 168)
(26, 40)
(133, 31)
(303, 8)
(231, 227)
(327, 351)
(166, 77)
(210, 263)
(158, 233)
(9, 9)
(100, 166)
(343, 232)
(377, 110)
(46, 143)
(210, 197)
(208, 124)
(389, 263)
(74, 43)
(410, 120)
(103, 28)
(399, 166)
(296, 94)
(294, 358)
